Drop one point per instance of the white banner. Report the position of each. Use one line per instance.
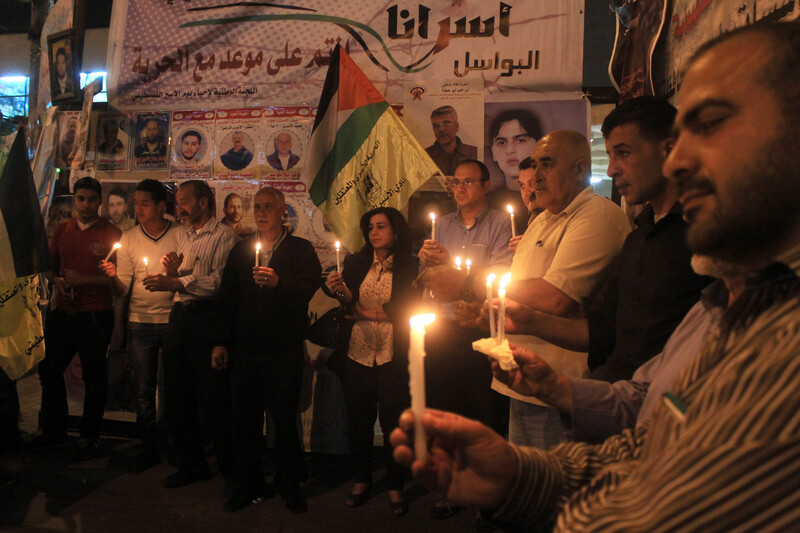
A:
(214, 53)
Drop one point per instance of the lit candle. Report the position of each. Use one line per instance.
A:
(338, 246)
(258, 254)
(146, 268)
(489, 294)
(416, 384)
(469, 264)
(433, 226)
(511, 212)
(114, 248)
(501, 313)
(458, 262)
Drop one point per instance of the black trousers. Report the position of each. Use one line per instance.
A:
(192, 389)
(457, 378)
(270, 382)
(10, 438)
(380, 391)
(88, 333)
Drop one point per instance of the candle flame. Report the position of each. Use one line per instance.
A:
(144, 260)
(510, 209)
(458, 262)
(338, 245)
(505, 280)
(258, 247)
(420, 321)
(469, 263)
(433, 216)
(117, 246)
(490, 279)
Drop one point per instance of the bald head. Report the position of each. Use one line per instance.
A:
(561, 161)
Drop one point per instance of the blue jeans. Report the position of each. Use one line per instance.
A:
(144, 343)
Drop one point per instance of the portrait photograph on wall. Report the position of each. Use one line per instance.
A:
(64, 66)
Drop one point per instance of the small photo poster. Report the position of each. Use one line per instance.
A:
(117, 204)
(69, 123)
(111, 141)
(151, 133)
(192, 142)
(234, 204)
(444, 115)
(286, 134)
(238, 138)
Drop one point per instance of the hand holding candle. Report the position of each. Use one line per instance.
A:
(501, 314)
(489, 296)
(338, 246)
(114, 248)
(513, 229)
(416, 371)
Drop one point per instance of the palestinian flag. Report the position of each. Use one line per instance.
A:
(361, 155)
(23, 254)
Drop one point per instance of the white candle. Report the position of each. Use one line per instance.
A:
(458, 262)
(338, 246)
(416, 383)
(433, 226)
(469, 264)
(258, 254)
(501, 313)
(511, 212)
(489, 295)
(146, 268)
(114, 248)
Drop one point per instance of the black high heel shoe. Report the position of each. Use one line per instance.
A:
(356, 499)
(399, 508)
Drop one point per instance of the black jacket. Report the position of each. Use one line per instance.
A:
(401, 305)
(275, 321)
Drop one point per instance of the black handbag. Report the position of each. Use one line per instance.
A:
(325, 332)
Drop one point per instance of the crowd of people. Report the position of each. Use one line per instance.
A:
(655, 360)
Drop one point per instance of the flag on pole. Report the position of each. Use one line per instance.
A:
(361, 155)
(23, 254)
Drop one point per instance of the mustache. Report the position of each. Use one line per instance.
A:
(183, 214)
(701, 185)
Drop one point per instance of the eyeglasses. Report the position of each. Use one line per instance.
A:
(466, 183)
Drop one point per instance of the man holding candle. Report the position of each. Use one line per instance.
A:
(564, 255)
(720, 452)
(148, 315)
(81, 320)
(459, 378)
(193, 273)
(262, 319)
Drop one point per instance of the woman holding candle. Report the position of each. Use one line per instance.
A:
(375, 285)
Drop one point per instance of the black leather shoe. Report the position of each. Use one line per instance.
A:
(239, 501)
(296, 503)
(185, 476)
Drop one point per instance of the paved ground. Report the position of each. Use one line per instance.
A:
(98, 495)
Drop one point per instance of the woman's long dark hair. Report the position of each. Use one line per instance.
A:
(402, 233)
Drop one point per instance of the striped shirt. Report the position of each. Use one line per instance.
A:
(731, 462)
(205, 252)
